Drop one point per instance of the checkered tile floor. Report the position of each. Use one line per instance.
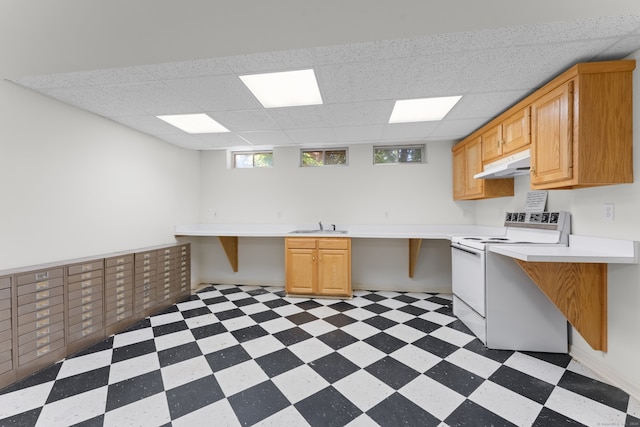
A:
(240, 355)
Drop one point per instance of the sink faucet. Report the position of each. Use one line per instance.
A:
(320, 224)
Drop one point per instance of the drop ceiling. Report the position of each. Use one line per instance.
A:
(491, 68)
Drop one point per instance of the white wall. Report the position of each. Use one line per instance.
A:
(619, 363)
(73, 184)
(359, 193)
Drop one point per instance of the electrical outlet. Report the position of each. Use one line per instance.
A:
(608, 211)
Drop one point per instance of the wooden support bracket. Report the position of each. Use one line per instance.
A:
(414, 250)
(230, 246)
(579, 290)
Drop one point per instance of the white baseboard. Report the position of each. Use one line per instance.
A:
(606, 373)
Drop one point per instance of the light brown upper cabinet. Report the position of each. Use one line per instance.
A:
(582, 128)
(578, 128)
(467, 161)
(506, 137)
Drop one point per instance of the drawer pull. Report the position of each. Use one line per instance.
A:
(146, 299)
(43, 350)
(120, 261)
(120, 310)
(87, 323)
(44, 303)
(41, 276)
(88, 291)
(43, 322)
(86, 275)
(120, 289)
(120, 303)
(119, 275)
(42, 285)
(146, 287)
(120, 317)
(87, 331)
(42, 294)
(146, 305)
(87, 307)
(42, 341)
(87, 299)
(43, 332)
(147, 256)
(120, 268)
(42, 313)
(120, 282)
(86, 283)
(147, 275)
(86, 267)
(87, 315)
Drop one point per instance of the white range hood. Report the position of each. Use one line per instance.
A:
(516, 164)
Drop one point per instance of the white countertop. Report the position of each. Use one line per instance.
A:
(353, 230)
(581, 249)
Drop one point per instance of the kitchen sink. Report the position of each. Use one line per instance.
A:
(318, 231)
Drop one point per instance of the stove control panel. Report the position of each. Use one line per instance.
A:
(548, 220)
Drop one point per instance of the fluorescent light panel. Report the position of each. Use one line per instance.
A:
(284, 89)
(194, 123)
(422, 110)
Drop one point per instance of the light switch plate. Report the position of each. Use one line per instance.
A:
(608, 211)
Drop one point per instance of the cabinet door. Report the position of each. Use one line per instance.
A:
(459, 173)
(334, 272)
(473, 153)
(301, 270)
(551, 127)
(492, 143)
(516, 131)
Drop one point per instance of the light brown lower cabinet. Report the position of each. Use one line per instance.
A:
(318, 266)
(50, 312)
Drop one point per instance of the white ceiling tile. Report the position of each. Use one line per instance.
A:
(245, 120)
(359, 52)
(312, 136)
(90, 99)
(497, 38)
(485, 105)
(50, 81)
(221, 140)
(148, 124)
(215, 93)
(185, 141)
(348, 134)
(152, 98)
(308, 116)
(273, 138)
(621, 49)
(115, 76)
(399, 132)
(456, 129)
(270, 61)
(187, 69)
(361, 113)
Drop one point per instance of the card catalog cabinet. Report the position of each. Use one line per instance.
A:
(118, 289)
(7, 373)
(146, 265)
(41, 319)
(85, 283)
(50, 312)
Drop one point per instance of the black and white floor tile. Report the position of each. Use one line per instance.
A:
(248, 355)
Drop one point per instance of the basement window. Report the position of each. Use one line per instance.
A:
(253, 159)
(324, 157)
(395, 154)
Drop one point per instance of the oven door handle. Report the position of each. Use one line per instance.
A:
(465, 250)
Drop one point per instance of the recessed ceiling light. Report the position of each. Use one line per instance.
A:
(284, 89)
(194, 123)
(422, 110)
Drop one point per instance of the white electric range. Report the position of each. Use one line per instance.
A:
(493, 296)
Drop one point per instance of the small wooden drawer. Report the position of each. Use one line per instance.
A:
(301, 243)
(39, 286)
(39, 296)
(85, 316)
(40, 342)
(86, 332)
(146, 269)
(87, 275)
(5, 337)
(85, 267)
(5, 294)
(127, 282)
(117, 315)
(86, 308)
(339, 243)
(5, 305)
(85, 284)
(5, 282)
(95, 321)
(145, 256)
(115, 273)
(5, 323)
(5, 355)
(83, 293)
(114, 305)
(42, 351)
(93, 298)
(40, 305)
(119, 260)
(43, 313)
(119, 292)
(40, 323)
(39, 276)
(24, 338)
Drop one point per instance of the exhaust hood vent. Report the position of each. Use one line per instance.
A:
(514, 165)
